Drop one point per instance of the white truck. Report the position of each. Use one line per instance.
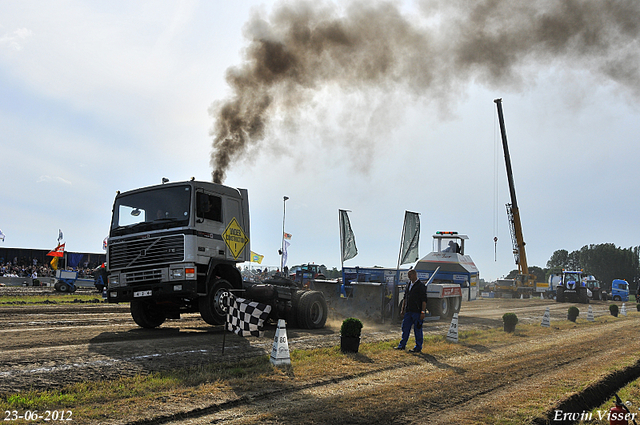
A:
(173, 248)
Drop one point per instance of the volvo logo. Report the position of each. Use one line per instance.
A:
(143, 252)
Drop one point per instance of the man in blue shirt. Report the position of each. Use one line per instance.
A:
(414, 309)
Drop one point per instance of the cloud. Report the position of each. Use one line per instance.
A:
(49, 179)
(15, 39)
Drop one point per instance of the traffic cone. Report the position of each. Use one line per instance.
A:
(541, 296)
(522, 296)
(452, 336)
(590, 314)
(546, 319)
(623, 310)
(280, 351)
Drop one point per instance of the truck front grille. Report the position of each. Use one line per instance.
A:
(146, 252)
(132, 278)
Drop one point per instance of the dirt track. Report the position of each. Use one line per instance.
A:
(47, 346)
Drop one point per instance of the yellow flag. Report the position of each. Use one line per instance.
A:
(54, 263)
(256, 258)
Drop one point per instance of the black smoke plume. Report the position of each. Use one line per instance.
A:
(432, 52)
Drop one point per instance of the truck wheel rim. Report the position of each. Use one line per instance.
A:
(220, 300)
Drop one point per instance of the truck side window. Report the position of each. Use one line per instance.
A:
(209, 206)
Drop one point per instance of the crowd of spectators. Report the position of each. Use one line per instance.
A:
(17, 268)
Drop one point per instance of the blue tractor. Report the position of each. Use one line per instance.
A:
(66, 281)
(571, 288)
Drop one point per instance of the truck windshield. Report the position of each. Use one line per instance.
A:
(154, 209)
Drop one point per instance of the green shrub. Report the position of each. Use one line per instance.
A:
(573, 311)
(351, 327)
(613, 309)
(510, 318)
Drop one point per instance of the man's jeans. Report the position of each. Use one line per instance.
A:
(409, 320)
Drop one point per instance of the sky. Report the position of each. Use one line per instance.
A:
(395, 113)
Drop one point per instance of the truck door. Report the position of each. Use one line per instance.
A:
(235, 234)
(210, 225)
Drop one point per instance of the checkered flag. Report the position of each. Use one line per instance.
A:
(245, 317)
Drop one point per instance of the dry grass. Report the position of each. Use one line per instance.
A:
(446, 374)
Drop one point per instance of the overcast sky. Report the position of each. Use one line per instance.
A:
(97, 97)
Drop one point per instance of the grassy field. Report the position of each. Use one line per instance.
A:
(53, 298)
(140, 396)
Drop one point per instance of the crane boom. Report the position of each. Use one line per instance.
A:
(513, 211)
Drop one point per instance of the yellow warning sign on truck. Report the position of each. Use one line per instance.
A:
(235, 238)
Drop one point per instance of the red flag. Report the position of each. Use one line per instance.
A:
(57, 252)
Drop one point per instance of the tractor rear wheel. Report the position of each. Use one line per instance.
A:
(583, 297)
(312, 310)
(292, 314)
(560, 295)
(146, 314)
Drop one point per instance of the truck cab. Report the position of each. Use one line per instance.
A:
(619, 290)
(173, 248)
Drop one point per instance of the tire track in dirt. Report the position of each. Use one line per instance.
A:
(477, 383)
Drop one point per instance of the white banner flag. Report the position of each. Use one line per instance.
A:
(284, 252)
(410, 238)
(347, 238)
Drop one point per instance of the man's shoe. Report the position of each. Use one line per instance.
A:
(415, 350)
(398, 348)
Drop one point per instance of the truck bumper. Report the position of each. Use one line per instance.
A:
(154, 291)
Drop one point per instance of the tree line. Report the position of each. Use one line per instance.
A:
(605, 262)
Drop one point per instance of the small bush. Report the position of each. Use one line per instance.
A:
(351, 327)
(613, 309)
(573, 311)
(638, 307)
(509, 318)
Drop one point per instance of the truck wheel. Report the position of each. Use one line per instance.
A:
(146, 314)
(439, 307)
(454, 304)
(63, 287)
(312, 310)
(617, 298)
(212, 308)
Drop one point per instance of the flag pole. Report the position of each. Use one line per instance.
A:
(340, 224)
